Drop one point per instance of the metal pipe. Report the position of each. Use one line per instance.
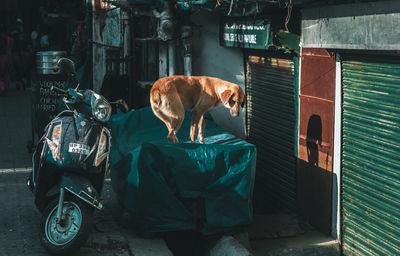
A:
(162, 60)
(186, 35)
(187, 65)
(171, 58)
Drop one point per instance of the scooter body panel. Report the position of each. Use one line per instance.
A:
(82, 188)
(79, 140)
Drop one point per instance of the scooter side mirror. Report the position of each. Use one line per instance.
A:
(66, 66)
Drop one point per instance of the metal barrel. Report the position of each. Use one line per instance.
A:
(46, 61)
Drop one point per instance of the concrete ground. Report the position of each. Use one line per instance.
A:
(113, 232)
(288, 235)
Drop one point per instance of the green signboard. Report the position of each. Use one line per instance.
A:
(253, 34)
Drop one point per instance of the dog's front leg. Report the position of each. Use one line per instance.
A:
(202, 126)
(194, 125)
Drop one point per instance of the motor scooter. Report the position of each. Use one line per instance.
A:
(69, 167)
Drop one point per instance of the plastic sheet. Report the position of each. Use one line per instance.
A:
(183, 186)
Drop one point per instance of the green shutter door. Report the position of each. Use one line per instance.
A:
(371, 158)
(271, 118)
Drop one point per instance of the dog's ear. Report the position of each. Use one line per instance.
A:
(225, 96)
(242, 94)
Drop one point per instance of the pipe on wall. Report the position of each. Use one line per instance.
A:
(187, 65)
(162, 59)
(186, 34)
(171, 57)
(165, 33)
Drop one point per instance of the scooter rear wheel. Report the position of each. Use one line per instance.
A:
(72, 232)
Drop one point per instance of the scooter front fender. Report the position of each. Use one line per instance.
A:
(81, 188)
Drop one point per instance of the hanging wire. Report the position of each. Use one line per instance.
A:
(289, 14)
(230, 8)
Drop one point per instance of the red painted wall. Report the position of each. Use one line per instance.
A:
(317, 94)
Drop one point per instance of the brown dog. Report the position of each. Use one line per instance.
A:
(171, 96)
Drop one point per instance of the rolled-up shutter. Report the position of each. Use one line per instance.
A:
(271, 127)
(371, 158)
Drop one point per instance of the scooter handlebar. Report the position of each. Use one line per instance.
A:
(54, 88)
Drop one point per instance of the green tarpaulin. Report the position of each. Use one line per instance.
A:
(183, 186)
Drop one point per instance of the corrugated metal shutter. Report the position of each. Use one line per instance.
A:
(371, 158)
(271, 127)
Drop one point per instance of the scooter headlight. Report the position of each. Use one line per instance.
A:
(101, 108)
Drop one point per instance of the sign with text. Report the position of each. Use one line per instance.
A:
(254, 34)
(46, 104)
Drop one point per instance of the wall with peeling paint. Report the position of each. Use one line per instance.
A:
(106, 32)
(364, 26)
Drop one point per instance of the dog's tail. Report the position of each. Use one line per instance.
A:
(155, 98)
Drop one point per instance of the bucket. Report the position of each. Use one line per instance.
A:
(46, 62)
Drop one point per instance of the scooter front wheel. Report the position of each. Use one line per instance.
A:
(69, 234)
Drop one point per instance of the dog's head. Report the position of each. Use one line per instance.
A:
(233, 99)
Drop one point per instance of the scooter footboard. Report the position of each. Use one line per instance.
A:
(82, 188)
